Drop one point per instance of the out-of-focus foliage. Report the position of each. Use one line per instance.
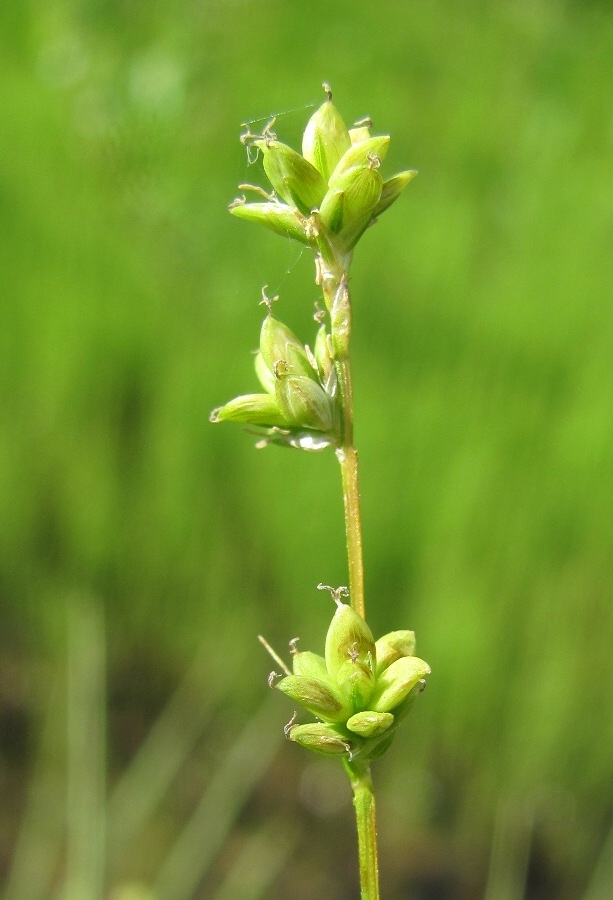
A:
(482, 355)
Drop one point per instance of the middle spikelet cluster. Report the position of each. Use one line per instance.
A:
(299, 407)
(359, 690)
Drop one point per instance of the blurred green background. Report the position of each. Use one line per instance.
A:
(142, 550)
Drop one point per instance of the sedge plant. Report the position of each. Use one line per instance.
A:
(325, 198)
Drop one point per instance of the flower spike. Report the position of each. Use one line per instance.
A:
(359, 690)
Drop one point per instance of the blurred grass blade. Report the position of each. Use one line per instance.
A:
(41, 831)
(239, 771)
(599, 887)
(259, 862)
(510, 853)
(85, 850)
(161, 756)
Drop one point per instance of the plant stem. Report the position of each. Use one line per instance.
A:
(333, 280)
(364, 805)
(348, 460)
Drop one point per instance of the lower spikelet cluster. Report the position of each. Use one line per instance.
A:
(359, 690)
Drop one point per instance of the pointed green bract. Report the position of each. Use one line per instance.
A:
(265, 376)
(392, 646)
(279, 344)
(375, 747)
(304, 402)
(316, 696)
(359, 154)
(250, 409)
(347, 209)
(356, 681)
(370, 724)
(396, 682)
(325, 363)
(391, 190)
(325, 139)
(320, 738)
(293, 177)
(333, 210)
(359, 133)
(279, 217)
(406, 705)
(310, 664)
(348, 639)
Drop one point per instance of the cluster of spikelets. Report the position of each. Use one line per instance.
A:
(299, 407)
(359, 690)
(327, 196)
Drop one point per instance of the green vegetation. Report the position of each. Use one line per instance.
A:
(482, 336)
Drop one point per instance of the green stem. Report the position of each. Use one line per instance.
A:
(364, 805)
(333, 280)
(346, 453)
(348, 459)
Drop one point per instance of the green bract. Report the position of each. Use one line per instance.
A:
(310, 664)
(279, 344)
(324, 360)
(320, 738)
(356, 682)
(349, 639)
(292, 176)
(359, 154)
(361, 132)
(396, 681)
(325, 139)
(348, 207)
(317, 696)
(304, 403)
(392, 646)
(392, 188)
(250, 409)
(279, 217)
(370, 724)
(359, 690)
